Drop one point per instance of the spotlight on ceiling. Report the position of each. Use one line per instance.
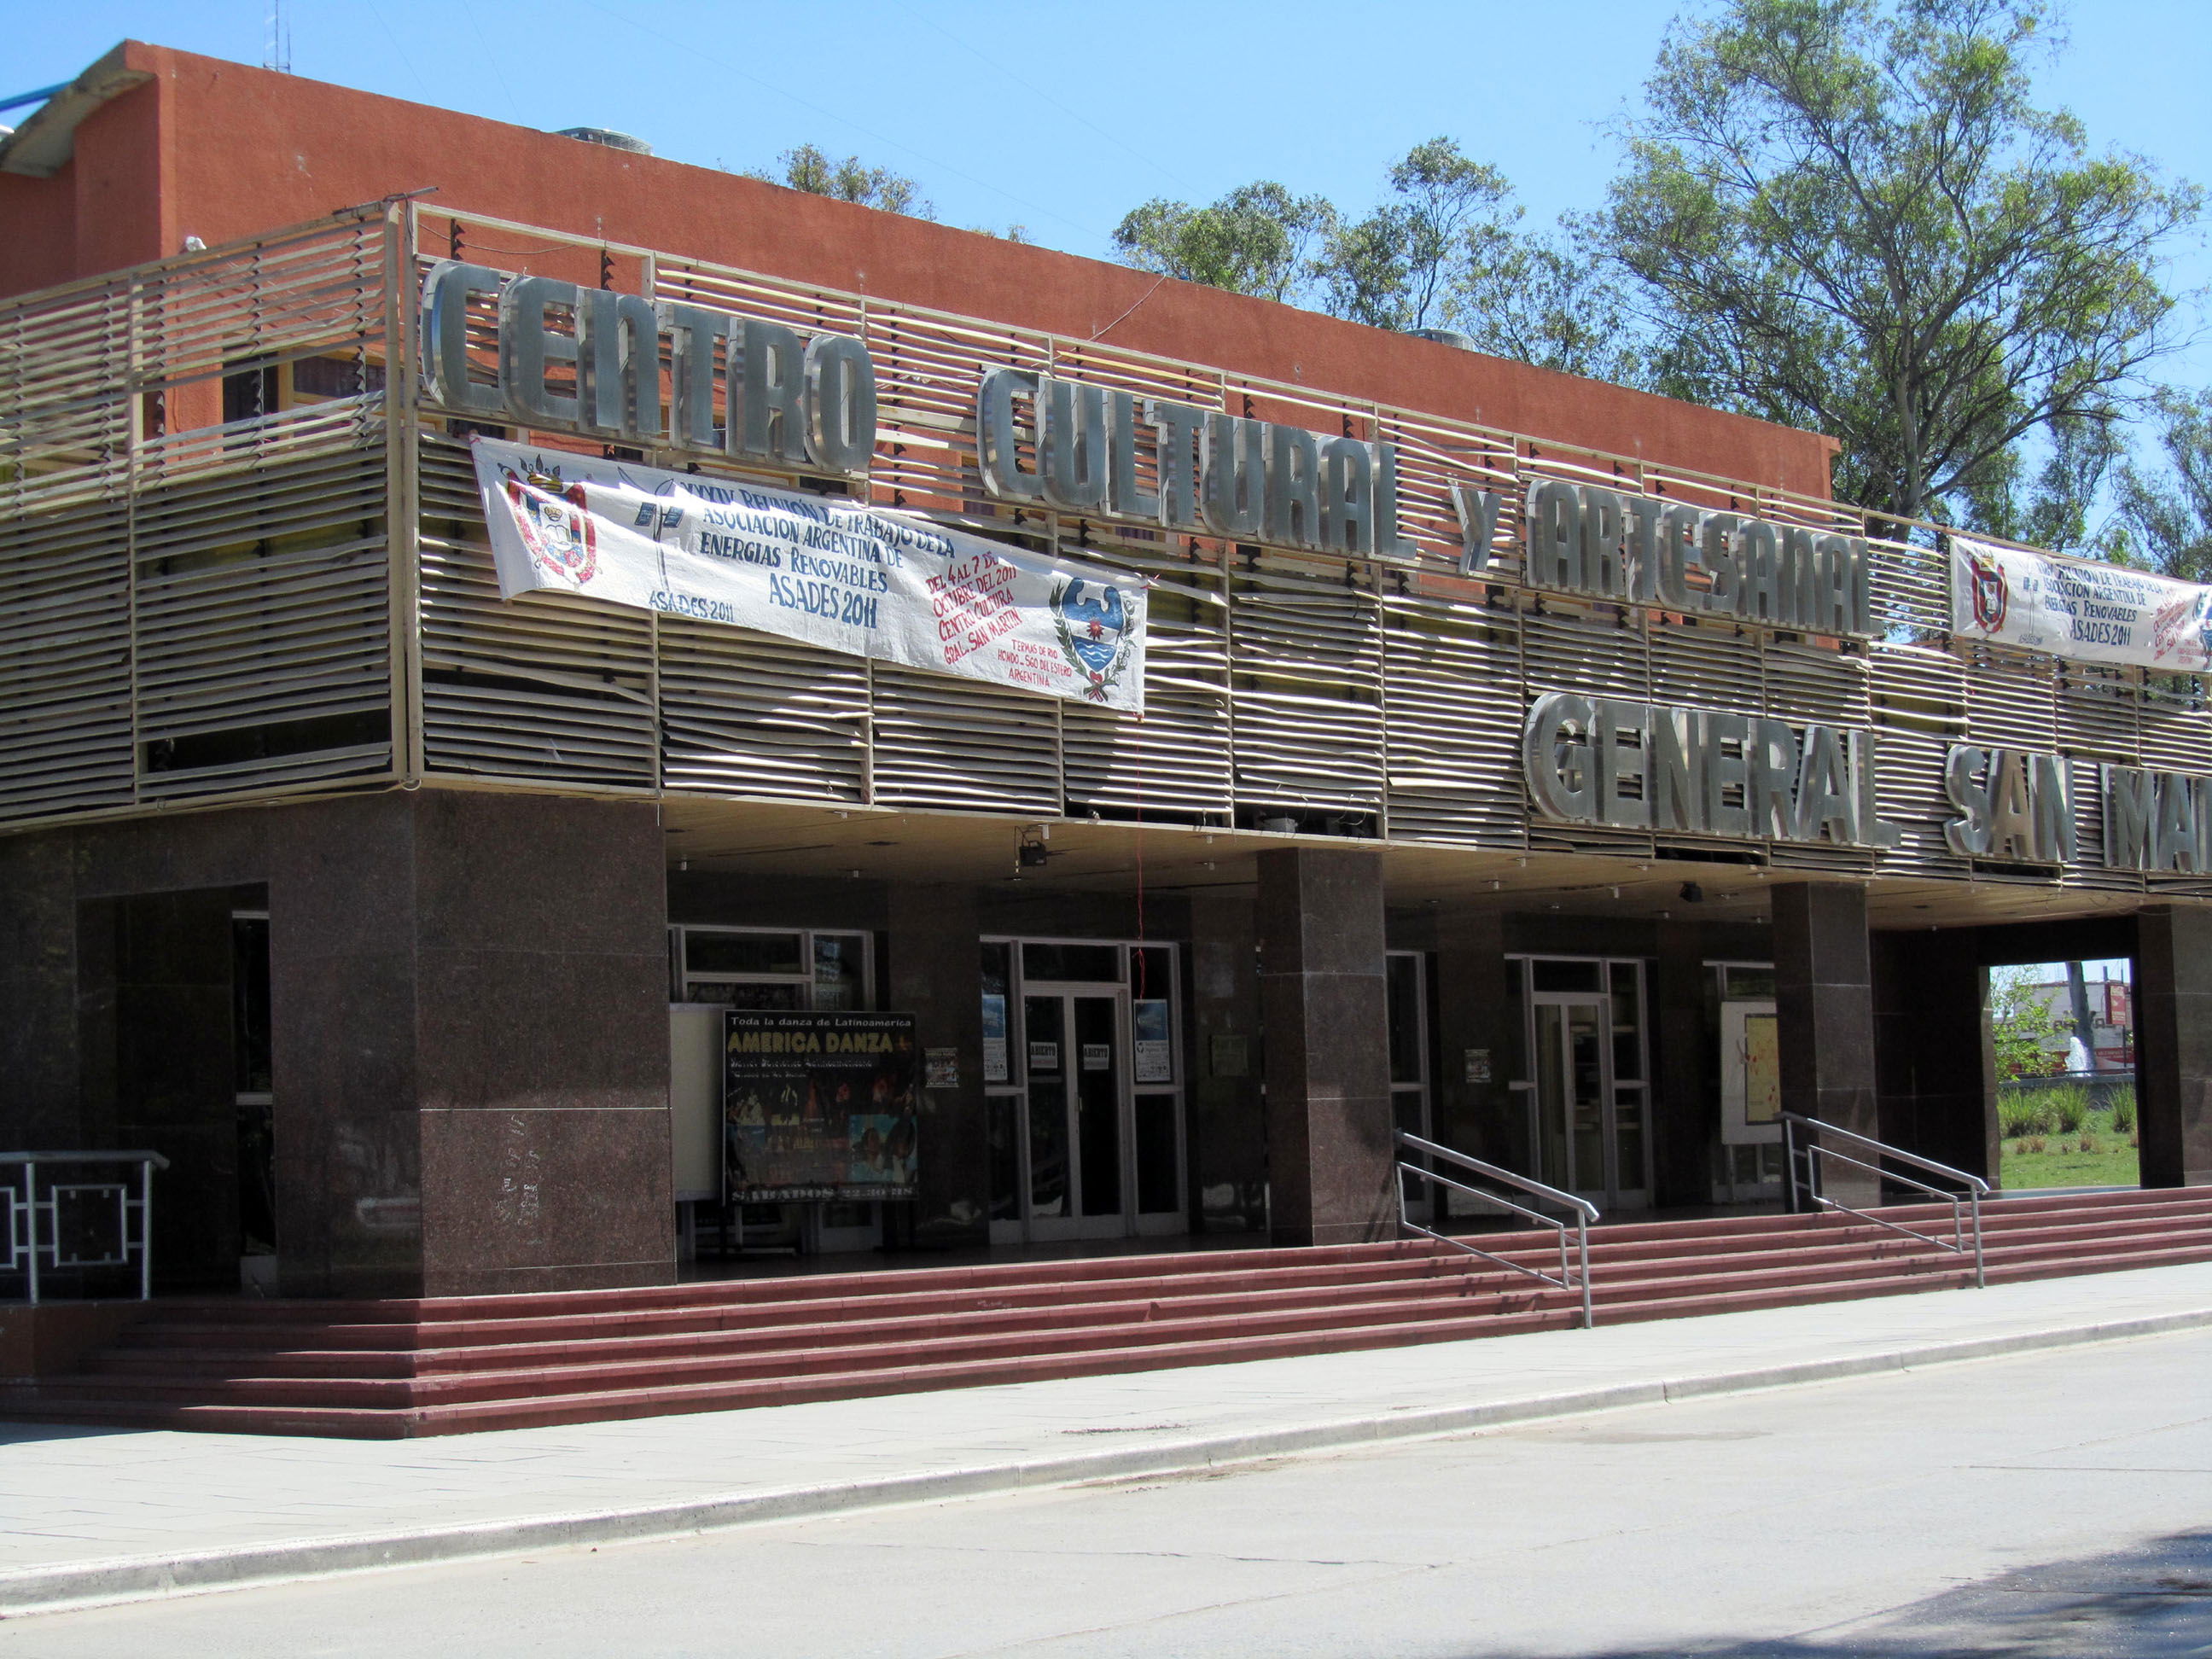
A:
(1691, 893)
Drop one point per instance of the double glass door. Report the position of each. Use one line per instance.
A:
(1073, 1048)
(1084, 1088)
(1590, 1097)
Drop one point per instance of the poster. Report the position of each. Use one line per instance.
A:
(1155, 1057)
(2073, 608)
(818, 1105)
(995, 1038)
(1751, 1074)
(823, 569)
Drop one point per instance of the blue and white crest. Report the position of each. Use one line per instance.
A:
(1093, 625)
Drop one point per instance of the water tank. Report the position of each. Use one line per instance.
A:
(1450, 336)
(610, 137)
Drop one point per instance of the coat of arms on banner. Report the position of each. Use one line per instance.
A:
(1987, 590)
(556, 521)
(1093, 627)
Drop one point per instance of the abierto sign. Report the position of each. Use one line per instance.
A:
(828, 571)
(2075, 608)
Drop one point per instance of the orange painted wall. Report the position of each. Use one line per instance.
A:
(221, 150)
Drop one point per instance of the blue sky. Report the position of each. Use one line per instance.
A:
(1062, 117)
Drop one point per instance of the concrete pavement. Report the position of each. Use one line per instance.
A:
(98, 1515)
(2050, 1504)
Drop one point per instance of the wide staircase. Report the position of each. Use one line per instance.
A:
(451, 1365)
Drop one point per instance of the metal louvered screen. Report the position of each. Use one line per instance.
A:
(236, 559)
(193, 539)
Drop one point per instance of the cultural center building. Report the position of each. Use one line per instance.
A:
(561, 711)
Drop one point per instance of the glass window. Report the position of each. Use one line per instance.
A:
(840, 971)
(1156, 1155)
(1551, 975)
(1093, 964)
(1151, 971)
(707, 951)
(1749, 984)
(770, 995)
(1627, 1022)
(249, 1017)
(1404, 972)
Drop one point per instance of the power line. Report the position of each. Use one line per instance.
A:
(692, 48)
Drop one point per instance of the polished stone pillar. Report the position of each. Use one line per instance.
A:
(2173, 1044)
(1227, 1129)
(1935, 1064)
(469, 1044)
(1686, 1111)
(1331, 1151)
(1824, 1009)
(1477, 1012)
(937, 974)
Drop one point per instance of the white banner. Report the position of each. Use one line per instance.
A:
(822, 569)
(2071, 608)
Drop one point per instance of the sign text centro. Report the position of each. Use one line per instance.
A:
(576, 359)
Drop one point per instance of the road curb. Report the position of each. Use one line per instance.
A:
(138, 1578)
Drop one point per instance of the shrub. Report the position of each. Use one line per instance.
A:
(2069, 1107)
(2024, 1115)
(2123, 1110)
(2087, 1144)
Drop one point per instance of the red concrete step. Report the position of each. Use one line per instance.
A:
(451, 1364)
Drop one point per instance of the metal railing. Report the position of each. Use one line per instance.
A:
(34, 1218)
(1571, 1277)
(1803, 1156)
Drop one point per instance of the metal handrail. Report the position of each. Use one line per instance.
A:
(1569, 1278)
(1962, 1204)
(22, 1215)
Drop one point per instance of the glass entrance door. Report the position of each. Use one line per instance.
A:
(1079, 1115)
(1588, 1132)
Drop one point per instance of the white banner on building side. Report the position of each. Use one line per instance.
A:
(2071, 608)
(820, 569)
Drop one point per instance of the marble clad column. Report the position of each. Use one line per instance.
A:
(1331, 1151)
(1476, 1011)
(936, 974)
(1686, 1112)
(470, 1030)
(1934, 1061)
(2173, 1044)
(1824, 1009)
(1228, 1131)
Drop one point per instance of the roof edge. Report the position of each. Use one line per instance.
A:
(43, 144)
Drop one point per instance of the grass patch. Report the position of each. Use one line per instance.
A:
(2094, 1154)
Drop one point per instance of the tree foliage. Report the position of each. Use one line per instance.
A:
(1396, 267)
(1258, 239)
(810, 169)
(2164, 517)
(1847, 215)
(2020, 1022)
(1550, 300)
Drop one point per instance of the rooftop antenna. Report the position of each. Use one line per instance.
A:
(280, 41)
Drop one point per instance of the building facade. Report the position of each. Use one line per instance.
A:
(1550, 769)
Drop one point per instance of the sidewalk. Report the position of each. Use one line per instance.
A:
(116, 1515)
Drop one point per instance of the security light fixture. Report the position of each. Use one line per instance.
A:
(1691, 893)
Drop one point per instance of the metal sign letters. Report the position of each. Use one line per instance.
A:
(1645, 550)
(1639, 766)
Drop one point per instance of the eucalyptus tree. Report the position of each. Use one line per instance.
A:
(1259, 240)
(810, 169)
(1849, 214)
(2164, 516)
(1396, 267)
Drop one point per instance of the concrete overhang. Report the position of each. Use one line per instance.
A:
(42, 146)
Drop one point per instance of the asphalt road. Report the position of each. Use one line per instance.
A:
(2052, 1505)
